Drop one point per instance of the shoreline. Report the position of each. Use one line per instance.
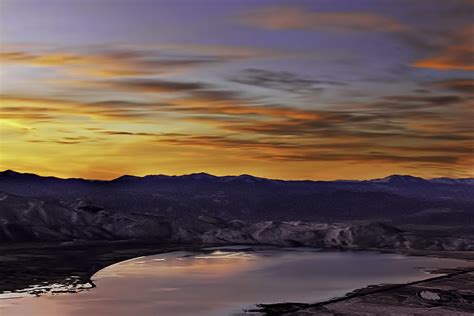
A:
(22, 265)
(289, 308)
(73, 264)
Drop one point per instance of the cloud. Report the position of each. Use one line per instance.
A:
(410, 101)
(151, 85)
(457, 55)
(282, 80)
(459, 85)
(298, 18)
(315, 150)
(452, 58)
(293, 134)
(371, 157)
(72, 140)
(124, 133)
(56, 110)
(230, 103)
(106, 64)
(129, 61)
(394, 129)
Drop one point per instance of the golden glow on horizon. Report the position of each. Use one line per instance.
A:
(339, 105)
(100, 141)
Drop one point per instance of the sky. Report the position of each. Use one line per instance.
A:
(320, 89)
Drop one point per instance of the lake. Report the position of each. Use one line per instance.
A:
(225, 281)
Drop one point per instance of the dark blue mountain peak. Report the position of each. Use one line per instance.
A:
(400, 179)
(125, 177)
(200, 176)
(9, 172)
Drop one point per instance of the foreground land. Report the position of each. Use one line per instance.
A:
(449, 294)
(452, 294)
(72, 264)
(62, 231)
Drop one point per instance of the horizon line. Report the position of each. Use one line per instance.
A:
(216, 176)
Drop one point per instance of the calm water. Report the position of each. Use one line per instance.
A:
(224, 281)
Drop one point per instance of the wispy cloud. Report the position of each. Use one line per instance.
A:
(457, 55)
(111, 64)
(299, 18)
(458, 85)
(283, 80)
(151, 85)
(128, 61)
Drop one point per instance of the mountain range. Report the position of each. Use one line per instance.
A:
(205, 209)
(397, 198)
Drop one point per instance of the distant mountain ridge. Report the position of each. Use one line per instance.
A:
(397, 198)
(395, 178)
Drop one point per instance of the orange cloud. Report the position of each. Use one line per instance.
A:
(222, 102)
(221, 131)
(126, 61)
(452, 58)
(294, 18)
(55, 110)
(96, 65)
(457, 56)
(43, 60)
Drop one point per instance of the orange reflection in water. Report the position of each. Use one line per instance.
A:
(222, 282)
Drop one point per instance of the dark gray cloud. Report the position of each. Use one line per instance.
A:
(282, 80)
(153, 85)
(409, 101)
(456, 84)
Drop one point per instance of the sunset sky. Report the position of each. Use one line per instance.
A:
(324, 89)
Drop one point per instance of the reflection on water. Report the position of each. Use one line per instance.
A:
(225, 281)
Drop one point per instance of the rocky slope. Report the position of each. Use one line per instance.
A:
(33, 219)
